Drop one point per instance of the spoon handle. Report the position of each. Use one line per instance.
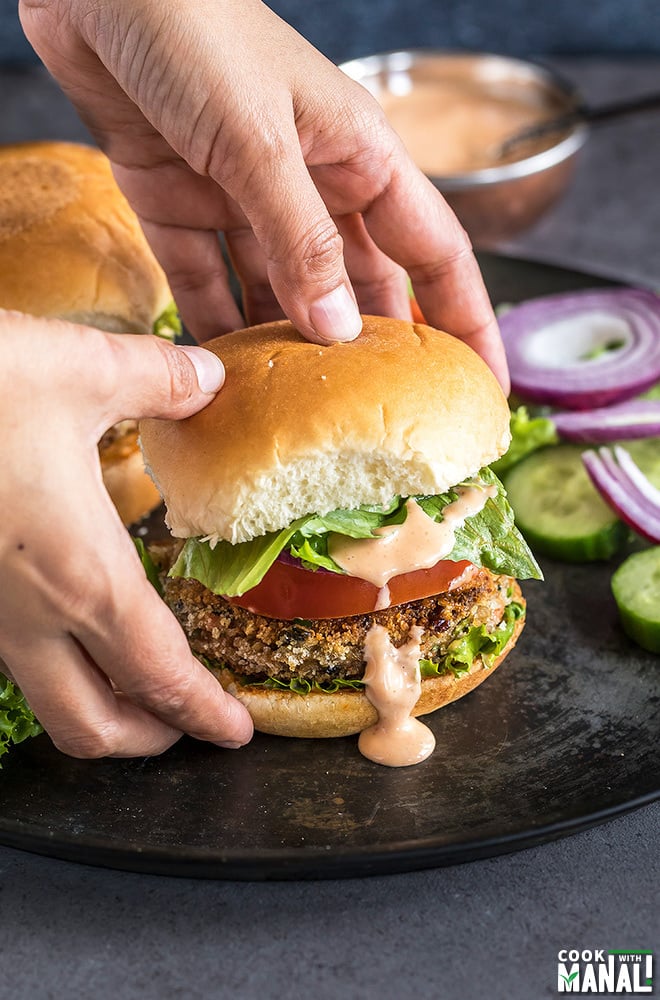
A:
(621, 108)
(581, 113)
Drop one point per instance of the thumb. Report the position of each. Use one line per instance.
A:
(158, 379)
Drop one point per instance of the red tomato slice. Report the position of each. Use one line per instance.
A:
(417, 316)
(288, 591)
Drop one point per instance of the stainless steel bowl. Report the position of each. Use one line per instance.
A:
(497, 199)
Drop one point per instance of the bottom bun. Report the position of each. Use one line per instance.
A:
(318, 715)
(130, 487)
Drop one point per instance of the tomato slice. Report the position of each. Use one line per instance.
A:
(417, 315)
(288, 591)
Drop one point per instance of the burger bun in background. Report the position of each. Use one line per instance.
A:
(71, 248)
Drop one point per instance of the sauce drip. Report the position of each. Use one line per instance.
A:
(418, 543)
(393, 686)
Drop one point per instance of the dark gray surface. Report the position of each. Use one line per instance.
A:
(489, 929)
(344, 29)
(485, 931)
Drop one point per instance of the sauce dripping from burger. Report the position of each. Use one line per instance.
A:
(418, 543)
(393, 686)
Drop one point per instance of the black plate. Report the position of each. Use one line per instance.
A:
(564, 735)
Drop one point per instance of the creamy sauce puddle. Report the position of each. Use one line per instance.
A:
(393, 685)
(418, 543)
(452, 127)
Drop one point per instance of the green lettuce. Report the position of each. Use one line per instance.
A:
(149, 566)
(300, 685)
(528, 434)
(472, 641)
(17, 721)
(168, 324)
(488, 539)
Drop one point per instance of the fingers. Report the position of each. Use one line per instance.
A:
(140, 376)
(111, 376)
(133, 637)
(299, 239)
(435, 251)
(249, 261)
(379, 283)
(198, 278)
(78, 708)
(79, 625)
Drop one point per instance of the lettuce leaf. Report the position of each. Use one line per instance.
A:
(17, 721)
(527, 435)
(488, 539)
(300, 685)
(229, 569)
(148, 565)
(168, 324)
(472, 641)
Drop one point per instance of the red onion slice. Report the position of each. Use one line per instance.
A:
(632, 497)
(584, 349)
(635, 418)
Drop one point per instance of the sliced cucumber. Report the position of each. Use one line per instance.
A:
(636, 589)
(558, 510)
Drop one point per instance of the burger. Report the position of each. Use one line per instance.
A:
(72, 248)
(332, 505)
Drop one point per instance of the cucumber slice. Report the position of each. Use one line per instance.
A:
(636, 589)
(558, 509)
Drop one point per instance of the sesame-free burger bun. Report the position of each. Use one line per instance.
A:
(71, 248)
(320, 714)
(70, 245)
(299, 428)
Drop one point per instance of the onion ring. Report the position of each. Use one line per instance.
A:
(584, 349)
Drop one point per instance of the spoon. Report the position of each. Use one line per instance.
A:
(580, 114)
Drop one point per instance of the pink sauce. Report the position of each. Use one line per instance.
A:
(393, 686)
(418, 543)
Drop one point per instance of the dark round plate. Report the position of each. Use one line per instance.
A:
(564, 735)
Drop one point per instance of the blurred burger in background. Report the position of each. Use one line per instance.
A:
(71, 248)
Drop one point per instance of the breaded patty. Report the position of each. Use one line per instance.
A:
(325, 649)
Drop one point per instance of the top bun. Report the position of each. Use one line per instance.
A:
(70, 245)
(299, 428)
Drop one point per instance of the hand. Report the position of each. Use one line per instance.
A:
(79, 622)
(218, 116)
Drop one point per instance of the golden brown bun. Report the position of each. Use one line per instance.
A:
(300, 428)
(285, 713)
(70, 245)
(131, 489)
(72, 248)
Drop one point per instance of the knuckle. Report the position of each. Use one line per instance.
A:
(432, 271)
(90, 740)
(320, 251)
(168, 695)
(183, 385)
(184, 281)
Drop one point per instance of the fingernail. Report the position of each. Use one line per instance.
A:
(229, 745)
(208, 367)
(335, 317)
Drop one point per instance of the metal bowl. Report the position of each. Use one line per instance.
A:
(494, 199)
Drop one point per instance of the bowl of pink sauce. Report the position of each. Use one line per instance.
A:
(454, 111)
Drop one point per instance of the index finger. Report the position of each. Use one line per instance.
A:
(412, 223)
(135, 640)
